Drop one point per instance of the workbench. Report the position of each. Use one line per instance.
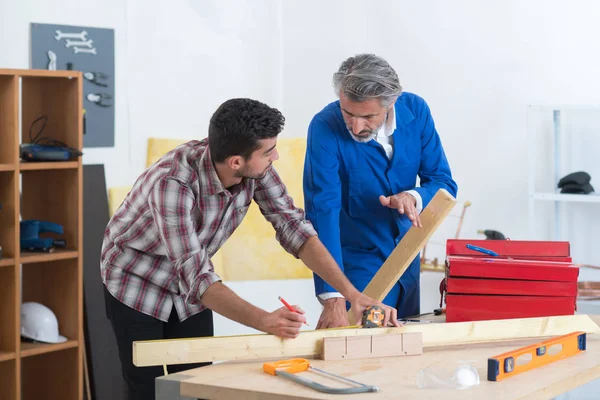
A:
(396, 377)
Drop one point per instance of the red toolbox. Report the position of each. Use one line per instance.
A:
(500, 279)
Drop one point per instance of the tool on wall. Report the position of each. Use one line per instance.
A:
(60, 35)
(51, 60)
(287, 369)
(99, 99)
(95, 78)
(81, 43)
(536, 355)
(77, 50)
(31, 240)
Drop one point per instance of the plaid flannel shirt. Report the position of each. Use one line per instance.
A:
(157, 246)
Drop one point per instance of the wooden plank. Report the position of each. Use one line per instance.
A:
(59, 254)
(38, 166)
(372, 346)
(40, 73)
(409, 247)
(34, 349)
(310, 343)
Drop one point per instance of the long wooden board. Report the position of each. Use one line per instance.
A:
(409, 247)
(310, 343)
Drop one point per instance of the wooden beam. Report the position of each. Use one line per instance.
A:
(372, 346)
(310, 343)
(409, 247)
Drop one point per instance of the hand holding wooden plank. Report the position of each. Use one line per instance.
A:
(409, 247)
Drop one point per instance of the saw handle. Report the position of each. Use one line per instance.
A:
(292, 366)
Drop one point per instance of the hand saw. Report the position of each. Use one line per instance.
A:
(287, 369)
(507, 364)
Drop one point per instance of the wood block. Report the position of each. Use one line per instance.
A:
(412, 343)
(375, 346)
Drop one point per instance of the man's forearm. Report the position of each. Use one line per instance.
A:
(316, 257)
(221, 299)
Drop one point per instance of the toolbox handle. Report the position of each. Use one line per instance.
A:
(482, 250)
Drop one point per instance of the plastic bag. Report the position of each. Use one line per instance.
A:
(458, 376)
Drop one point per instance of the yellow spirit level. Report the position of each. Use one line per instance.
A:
(507, 364)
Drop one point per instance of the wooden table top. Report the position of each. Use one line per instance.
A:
(396, 377)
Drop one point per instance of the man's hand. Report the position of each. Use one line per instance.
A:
(334, 314)
(283, 322)
(360, 303)
(405, 203)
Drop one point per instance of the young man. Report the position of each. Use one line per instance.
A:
(156, 254)
(364, 155)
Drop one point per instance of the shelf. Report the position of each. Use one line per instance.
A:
(563, 197)
(7, 356)
(43, 166)
(29, 258)
(45, 191)
(40, 73)
(565, 107)
(52, 376)
(8, 380)
(7, 262)
(34, 349)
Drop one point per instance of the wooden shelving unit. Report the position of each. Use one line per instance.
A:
(45, 191)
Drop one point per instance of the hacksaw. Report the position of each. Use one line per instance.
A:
(507, 364)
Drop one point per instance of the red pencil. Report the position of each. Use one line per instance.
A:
(292, 309)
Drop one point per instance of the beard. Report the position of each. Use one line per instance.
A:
(365, 138)
(362, 139)
(249, 174)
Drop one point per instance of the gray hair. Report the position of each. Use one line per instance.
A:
(365, 77)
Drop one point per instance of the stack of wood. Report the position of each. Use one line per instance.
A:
(502, 279)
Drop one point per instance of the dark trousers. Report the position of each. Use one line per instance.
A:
(130, 325)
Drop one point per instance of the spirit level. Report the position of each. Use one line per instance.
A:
(507, 364)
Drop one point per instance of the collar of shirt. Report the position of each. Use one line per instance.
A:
(210, 184)
(207, 175)
(389, 126)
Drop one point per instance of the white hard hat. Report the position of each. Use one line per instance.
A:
(39, 323)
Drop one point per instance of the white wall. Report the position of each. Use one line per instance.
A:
(478, 64)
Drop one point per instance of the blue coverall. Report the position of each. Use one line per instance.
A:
(343, 180)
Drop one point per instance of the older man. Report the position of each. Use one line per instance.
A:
(364, 154)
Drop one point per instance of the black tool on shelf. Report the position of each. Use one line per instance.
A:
(43, 148)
